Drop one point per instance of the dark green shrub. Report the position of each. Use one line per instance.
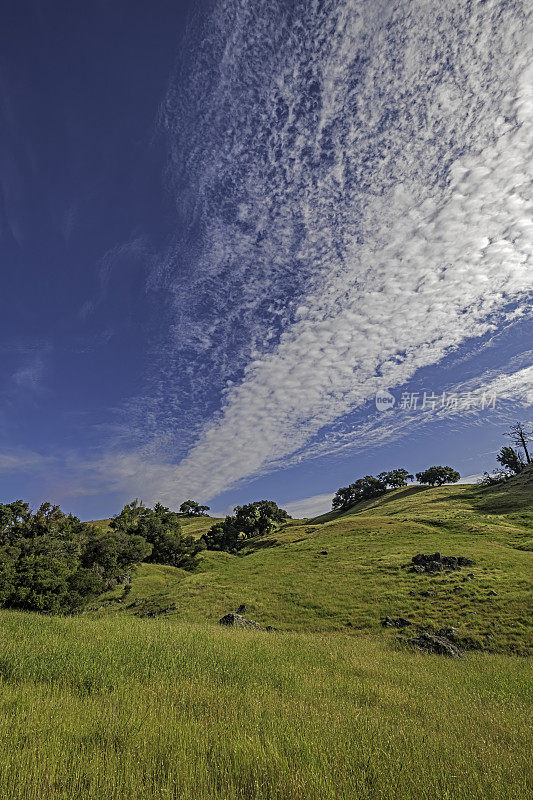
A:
(248, 521)
(52, 562)
(161, 529)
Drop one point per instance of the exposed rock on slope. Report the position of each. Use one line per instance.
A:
(436, 562)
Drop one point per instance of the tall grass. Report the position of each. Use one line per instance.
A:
(119, 708)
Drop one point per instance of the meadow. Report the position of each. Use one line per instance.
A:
(116, 707)
(345, 572)
(114, 704)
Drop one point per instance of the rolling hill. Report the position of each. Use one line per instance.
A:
(146, 697)
(345, 572)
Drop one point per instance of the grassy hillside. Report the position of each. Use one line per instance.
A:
(196, 526)
(114, 708)
(109, 706)
(287, 580)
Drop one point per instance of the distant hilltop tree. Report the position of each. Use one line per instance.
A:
(521, 437)
(370, 486)
(192, 509)
(511, 460)
(396, 478)
(362, 489)
(437, 476)
(254, 519)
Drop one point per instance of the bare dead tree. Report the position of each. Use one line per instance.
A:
(520, 438)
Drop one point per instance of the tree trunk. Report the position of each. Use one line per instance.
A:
(524, 445)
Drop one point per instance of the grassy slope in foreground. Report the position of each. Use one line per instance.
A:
(286, 582)
(116, 707)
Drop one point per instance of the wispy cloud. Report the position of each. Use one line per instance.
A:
(29, 376)
(364, 192)
(25, 364)
(511, 393)
(140, 473)
(23, 461)
(354, 201)
(310, 506)
(124, 257)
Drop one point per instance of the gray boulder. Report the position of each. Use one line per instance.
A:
(433, 643)
(238, 621)
(399, 622)
(436, 562)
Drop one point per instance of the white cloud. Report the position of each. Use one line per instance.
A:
(349, 159)
(309, 506)
(29, 376)
(139, 474)
(357, 201)
(23, 461)
(508, 391)
(470, 478)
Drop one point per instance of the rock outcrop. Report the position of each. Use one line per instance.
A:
(238, 621)
(436, 562)
(435, 643)
(398, 622)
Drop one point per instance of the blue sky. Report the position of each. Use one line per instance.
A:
(225, 226)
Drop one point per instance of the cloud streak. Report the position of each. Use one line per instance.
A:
(361, 178)
(140, 474)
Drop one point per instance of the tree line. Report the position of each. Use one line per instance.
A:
(52, 562)
(374, 486)
(254, 519)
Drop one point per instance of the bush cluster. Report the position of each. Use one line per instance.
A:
(161, 529)
(54, 563)
(255, 519)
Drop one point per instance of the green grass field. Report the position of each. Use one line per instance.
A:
(114, 708)
(286, 582)
(108, 706)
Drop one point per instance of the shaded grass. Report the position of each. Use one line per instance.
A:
(115, 708)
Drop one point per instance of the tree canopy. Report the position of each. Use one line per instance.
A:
(190, 508)
(438, 476)
(161, 528)
(521, 437)
(51, 562)
(54, 563)
(362, 489)
(370, 486)
(511, 460)
(396, 478)
(248, 521)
